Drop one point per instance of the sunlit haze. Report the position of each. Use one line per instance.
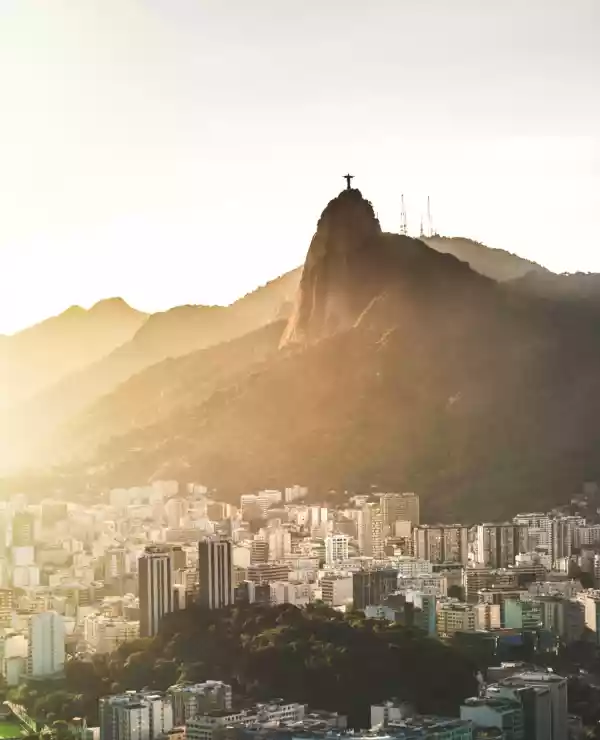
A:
(181, 151)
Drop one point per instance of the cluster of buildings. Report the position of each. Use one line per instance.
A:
(518, 705)
(202, 711)
(79, 580)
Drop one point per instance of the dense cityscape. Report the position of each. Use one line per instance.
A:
(299, 370)
(79, 582)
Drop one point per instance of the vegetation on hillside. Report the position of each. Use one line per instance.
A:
(315, 656)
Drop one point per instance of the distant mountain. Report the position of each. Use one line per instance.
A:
(35, 358)
(168, 388)
(174, 333)
(494, 263)
(576, 287)
(400, 367)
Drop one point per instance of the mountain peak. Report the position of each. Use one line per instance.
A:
(349, 209)
(117, 303)
(329, 297)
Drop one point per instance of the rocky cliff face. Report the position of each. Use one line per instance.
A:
(336, 283)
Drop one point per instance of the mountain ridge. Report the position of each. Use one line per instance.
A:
(401, 367)
(498, 264)
(173, 333)
(39, 355)
(430, 376)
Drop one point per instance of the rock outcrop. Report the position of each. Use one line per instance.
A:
(336, 284)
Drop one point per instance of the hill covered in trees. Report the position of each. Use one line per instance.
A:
(315, 656)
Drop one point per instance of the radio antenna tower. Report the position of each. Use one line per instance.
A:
(430, 231)
(403, 222)
(421, 232)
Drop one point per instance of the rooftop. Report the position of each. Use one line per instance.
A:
(498, 703)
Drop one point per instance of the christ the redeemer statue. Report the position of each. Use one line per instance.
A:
(348, 179)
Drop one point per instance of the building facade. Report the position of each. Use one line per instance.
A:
(497, 545)
(336, 549)
(46, 651)
(372, 586)
(442, 543)
(215, 567)
(155, 574)
(135, 716)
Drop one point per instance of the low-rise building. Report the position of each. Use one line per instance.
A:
(504, 714)
(135, 715)
(192, 699)
(337, 589)
(268, 572)
(104, 634)
(456, 616)
(210, 726)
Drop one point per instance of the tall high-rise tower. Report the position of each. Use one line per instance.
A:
(46, 656)
(155, 588)
(215, 566)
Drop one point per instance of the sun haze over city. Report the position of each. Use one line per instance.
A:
(179, 152)
(299, 370)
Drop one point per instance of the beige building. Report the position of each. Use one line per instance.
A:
(455, 616)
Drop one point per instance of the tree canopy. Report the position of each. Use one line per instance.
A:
(315, 656)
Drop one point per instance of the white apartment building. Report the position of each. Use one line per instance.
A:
(410, 567)
(279, 541)
(318, 515)
(135, 716)
(539, 526)
(205, 727)
(370, 531)
(294, 493)
(387, 712)
(266, 499)
(431, 583)
(564, 535)
(591, 605)
(46, 653)
(336, 549)
(104, 634)
(586, 535)
(286, 592)
(250, 506)
(13, 656)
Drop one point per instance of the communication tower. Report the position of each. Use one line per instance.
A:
(403, 222)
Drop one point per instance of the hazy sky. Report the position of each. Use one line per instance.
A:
(180, 151)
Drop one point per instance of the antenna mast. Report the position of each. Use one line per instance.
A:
(403, 222)
(430, 231)
(421, 232)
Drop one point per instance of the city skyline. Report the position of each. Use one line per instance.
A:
(144, 163)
